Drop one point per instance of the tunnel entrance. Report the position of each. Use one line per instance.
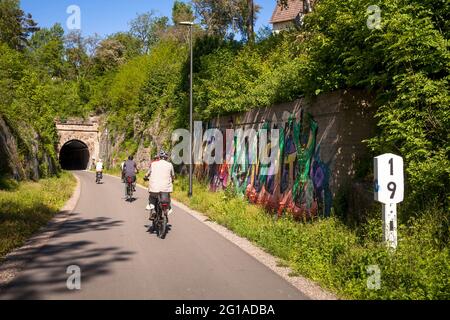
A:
(74, 155)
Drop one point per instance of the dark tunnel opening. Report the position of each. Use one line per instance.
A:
(74, 155)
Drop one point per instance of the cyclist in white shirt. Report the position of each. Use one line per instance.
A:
(99, 171)
(161, 175)
(99, 166)
(122, 167)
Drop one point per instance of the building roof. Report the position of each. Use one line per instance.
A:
(290, 13)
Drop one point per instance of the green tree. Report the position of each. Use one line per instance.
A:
(219, 16)
(163, 86)
(11, 71)
(15, 25)
(80, 53)
(124, 93)
(109, 55)
(131, 44)
(76, 55)
(182, 12)
(47, 50)
(148, 29)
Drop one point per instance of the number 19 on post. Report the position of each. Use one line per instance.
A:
(389, 190)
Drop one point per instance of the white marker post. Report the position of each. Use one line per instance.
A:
(389, 190)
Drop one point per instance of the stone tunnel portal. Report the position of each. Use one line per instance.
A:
(74, 155)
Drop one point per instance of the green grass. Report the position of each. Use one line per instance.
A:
(336, 256)
(27, 206)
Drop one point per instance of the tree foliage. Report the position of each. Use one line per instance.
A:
(47, 50)
(181, 12)
(219, 16)
(15, 25)
(148, 28)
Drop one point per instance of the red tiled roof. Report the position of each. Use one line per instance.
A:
(282, 14)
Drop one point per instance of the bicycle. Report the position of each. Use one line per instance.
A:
(161, 218)
(129, 189)
(98, 178)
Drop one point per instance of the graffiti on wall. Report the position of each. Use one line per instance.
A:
(296, 183)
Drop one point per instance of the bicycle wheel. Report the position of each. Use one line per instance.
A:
(128, 193)
(163, 226)
(154, 227)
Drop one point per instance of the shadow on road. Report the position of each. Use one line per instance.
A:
(46, 267)
(79, 225)
(150, 230)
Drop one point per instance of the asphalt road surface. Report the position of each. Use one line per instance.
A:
(108, 239)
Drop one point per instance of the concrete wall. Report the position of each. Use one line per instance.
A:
(332, 147)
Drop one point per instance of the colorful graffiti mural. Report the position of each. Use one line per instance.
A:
(296, 183)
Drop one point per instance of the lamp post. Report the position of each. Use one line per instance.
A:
(108, 164)
(191, 165)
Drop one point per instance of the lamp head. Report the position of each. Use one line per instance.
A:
(186, 23)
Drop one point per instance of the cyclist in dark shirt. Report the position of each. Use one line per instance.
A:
(130, 170)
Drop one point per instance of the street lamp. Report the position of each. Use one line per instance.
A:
(191, 168)
(107, 149)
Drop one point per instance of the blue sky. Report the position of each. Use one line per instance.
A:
(105, 17)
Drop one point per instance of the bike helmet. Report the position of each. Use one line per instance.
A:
(163, 155)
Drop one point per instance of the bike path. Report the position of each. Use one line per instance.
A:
(107, 238)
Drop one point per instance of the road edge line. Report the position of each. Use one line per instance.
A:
(306, 286)
(14, 262)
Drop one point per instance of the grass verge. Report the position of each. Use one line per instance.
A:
(27, 206)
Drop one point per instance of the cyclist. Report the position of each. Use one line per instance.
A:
(161, 175)
(99, 166)
(130, 170)
(99, 170)
(122, 166)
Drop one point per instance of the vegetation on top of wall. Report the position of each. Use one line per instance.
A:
(263, 74)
